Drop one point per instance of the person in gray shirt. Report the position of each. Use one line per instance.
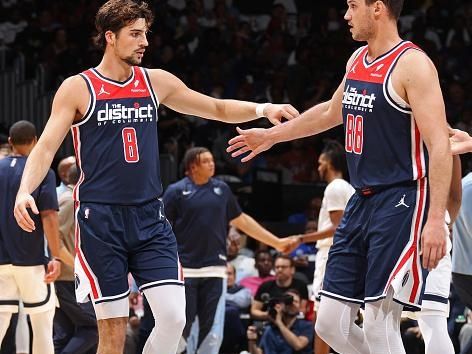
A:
(462, 245)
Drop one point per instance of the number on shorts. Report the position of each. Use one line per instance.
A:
(354, 134)
(130, 145)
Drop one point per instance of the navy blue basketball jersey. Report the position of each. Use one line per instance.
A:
(382, 141)
(17, 246)
(116, 142)
(200, 216)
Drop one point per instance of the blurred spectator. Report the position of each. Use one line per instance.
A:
(242, 263)
(264, 266)
(286, 333)
(284, 280)
(63, 170)
(238, 299)
(462, 245)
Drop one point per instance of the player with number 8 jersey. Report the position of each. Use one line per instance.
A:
(118, 132)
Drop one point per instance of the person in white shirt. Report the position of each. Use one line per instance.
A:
(336, 195)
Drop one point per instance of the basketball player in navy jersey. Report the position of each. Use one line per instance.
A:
(26, 273)
(391, 105)
(121, 226)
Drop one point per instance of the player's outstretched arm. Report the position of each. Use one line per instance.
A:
(64, 109)
(253, 229)
(461, 142)
(173, 93)
(317, 119)
(335, 216)
(420, 81)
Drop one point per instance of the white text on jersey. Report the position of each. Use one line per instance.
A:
(118, 111)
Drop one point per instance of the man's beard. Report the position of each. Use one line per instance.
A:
(131, 60)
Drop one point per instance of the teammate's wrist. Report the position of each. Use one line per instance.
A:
(260, 109)
(57, 259)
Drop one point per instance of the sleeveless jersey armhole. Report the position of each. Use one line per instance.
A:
(91, 104)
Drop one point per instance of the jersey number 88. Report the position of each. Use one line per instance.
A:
(354, 133)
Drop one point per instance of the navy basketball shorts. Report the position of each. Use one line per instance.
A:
(376, 246)
(112, 240)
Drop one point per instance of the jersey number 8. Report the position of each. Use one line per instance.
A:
(354, 134)
(130, 145)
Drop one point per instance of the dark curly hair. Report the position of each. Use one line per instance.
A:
(116, 14)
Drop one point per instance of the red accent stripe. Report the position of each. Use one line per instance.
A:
(78, 252)
(419, 167)
(75, 138)
(418, 221)
(414, 247)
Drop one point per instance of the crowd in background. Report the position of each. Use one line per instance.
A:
(280, 51)
(266, 50)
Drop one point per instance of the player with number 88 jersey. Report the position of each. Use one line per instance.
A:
(379, 126)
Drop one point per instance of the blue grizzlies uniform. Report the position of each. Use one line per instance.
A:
(377, 243)
(22, 254)
(200, 216)
(121, 225)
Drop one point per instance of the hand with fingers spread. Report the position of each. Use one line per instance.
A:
(254, 140)
(461, 142)
(275, 112)
(433, 243)
(22, 203)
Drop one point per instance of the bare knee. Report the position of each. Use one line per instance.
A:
(111, 335)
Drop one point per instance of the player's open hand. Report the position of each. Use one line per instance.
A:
(433, 243)
(254, 140)
(53, 271)
(22, 202)
(461, 142)
(275, 112)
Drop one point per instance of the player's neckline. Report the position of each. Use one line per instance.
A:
(114, 82)
(382, 56)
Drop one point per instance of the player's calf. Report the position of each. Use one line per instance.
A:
(111, 335)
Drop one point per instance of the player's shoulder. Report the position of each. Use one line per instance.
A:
(219, 182)
(73, 88)
(74, 82)
(414, 62)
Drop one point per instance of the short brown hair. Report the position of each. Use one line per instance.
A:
(395, 7)
(286, 257)
(116, 14)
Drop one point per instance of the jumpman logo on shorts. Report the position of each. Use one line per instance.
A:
(402, 202)
(102, 90)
